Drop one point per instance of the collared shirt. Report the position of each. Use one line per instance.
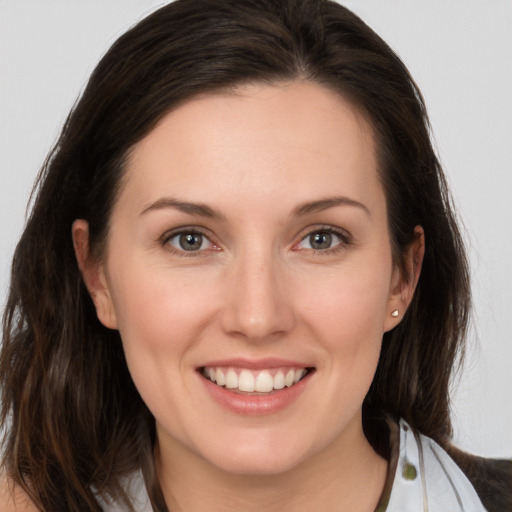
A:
(426, 479)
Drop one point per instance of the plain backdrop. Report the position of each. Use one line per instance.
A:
(460, 53)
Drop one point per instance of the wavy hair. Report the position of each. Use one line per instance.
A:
(75, 422)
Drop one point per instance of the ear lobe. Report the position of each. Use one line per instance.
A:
(404, 284)
(93, 275)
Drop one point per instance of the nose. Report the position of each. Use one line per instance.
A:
(257, 306)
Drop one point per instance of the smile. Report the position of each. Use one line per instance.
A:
(240, 380)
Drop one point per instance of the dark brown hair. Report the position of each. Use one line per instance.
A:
(75, 422)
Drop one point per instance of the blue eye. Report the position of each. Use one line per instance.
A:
(189, 241)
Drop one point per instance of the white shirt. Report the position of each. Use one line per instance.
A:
(428, 480)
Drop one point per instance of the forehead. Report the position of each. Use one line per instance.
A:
(256, 142)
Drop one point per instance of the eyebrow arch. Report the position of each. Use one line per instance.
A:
(197, 209)
(326, 203)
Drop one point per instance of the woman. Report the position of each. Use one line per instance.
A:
(232, 283)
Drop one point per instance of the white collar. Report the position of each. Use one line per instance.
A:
(428, 480)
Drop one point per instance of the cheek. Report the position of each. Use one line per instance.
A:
(156, 305)
(346, 310)
(351, 300)
(343, 312)
(161, 316)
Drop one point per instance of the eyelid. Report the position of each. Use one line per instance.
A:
(182, 230)
(342, 234)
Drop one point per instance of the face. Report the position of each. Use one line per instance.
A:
(249, 272)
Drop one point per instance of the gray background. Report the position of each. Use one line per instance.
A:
(460, 53)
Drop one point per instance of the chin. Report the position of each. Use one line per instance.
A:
(259, 455)
(259, 465)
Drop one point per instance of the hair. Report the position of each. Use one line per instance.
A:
(76, 425)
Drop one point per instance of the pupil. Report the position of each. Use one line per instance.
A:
(321, 240)
(191, 241)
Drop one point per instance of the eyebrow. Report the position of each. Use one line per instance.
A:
(198, 209)
(203, 210)
(324, 204)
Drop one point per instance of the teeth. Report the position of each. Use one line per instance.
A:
(231, 379)
(264, 382)
(248, 381)
(298, 375)
(245, 381)
(279, 380)
(288, 380)
(219, 377)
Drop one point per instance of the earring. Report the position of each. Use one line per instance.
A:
(395, 313)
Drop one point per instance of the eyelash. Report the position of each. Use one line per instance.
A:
(345, 241)
(167, 237)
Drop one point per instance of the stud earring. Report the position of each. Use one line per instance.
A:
(395, 313)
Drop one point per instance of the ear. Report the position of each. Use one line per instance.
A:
(93, 275)
(403, 283)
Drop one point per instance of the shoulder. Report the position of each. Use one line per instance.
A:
(427, 477)
(471, 477)
(13, 498)
(491, 478)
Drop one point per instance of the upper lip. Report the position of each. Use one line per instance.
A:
(256, 364)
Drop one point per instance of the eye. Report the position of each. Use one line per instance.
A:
(189, 241)
(323, 240)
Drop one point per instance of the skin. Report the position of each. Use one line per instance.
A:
(256, 288)
(13, 498)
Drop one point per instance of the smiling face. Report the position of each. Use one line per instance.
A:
(249, 272)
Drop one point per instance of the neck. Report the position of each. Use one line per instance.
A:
(347, 475)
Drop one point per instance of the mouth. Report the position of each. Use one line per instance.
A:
(245, 381)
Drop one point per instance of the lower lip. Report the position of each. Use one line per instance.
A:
(256, 405)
